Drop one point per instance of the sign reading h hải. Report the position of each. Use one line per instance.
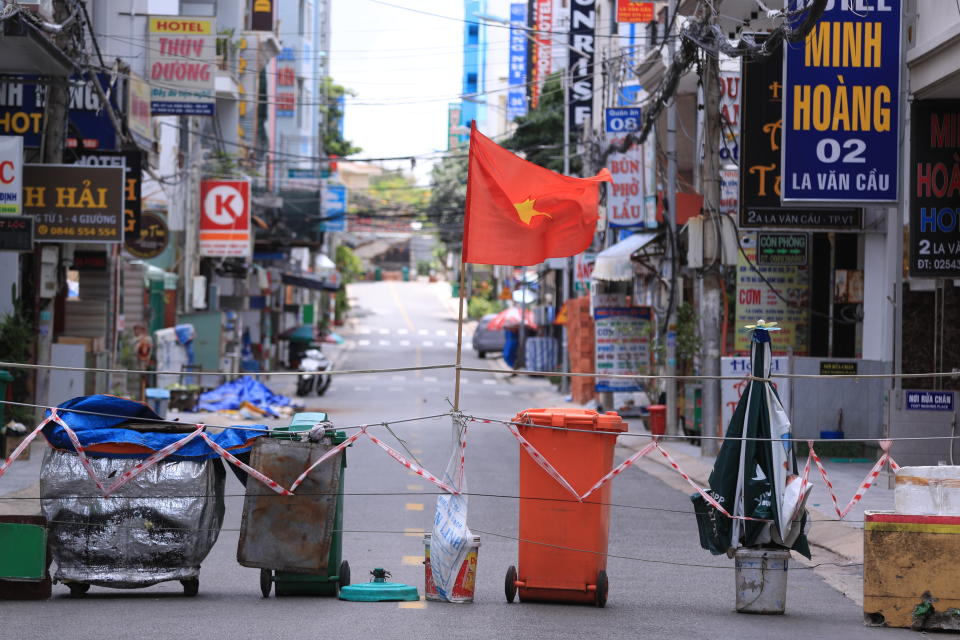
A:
(225, 218)
(181, 65)
(935, 189)
(622, 346)
(74, 203)
(11, 174)
(841, 133)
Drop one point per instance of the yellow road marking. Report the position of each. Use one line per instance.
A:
(414, 506)
(412, 561)
(403, 311)
(414, 487)
(417, 604)
(413, 532)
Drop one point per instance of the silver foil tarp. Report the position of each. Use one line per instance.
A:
(157, 527)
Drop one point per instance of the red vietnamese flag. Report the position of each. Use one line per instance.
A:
(519, 213)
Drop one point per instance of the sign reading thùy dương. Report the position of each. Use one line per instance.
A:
(935, 189)
(841, 139)
(622, 346)
(74, 203)
(181, 65)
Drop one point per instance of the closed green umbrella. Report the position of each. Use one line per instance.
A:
(755, 469)
(302, 333)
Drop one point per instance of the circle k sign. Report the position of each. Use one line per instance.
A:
(226, 203)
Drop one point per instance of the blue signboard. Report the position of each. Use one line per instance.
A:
(623, 120)
(841, 113)
(22, 112)
(334, 204)
(517, 72)
(928, 400)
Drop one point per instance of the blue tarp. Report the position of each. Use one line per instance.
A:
(230, 395)
(102, 429)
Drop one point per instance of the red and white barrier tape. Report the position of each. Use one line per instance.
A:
(253, 473)
(864, 486)
(80, 452)
(156, 457)
(25, 443)
(623, 465)
(543, 462)
(420, 471)
(329, 454)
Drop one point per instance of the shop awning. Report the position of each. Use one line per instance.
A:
(613, 263)
(26, 49)
(330, 282)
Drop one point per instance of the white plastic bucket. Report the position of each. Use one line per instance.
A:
(761, 576)
(466, 576)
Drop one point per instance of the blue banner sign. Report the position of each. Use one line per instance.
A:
(841, 113)
(334, 205)
(517, 72)
(928, 400)
(623, 120)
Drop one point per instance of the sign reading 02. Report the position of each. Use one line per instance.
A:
(841, 113)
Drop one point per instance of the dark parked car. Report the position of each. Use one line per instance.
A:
(485, 340)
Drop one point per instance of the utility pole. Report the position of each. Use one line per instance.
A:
(56, 100)
(670, 216)
(710, 300)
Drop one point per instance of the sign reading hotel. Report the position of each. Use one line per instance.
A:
(225, 219)
(182, 65)
(841, 138)
(74, 203)
(935, 189)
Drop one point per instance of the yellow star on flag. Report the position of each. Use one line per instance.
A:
(527, 211)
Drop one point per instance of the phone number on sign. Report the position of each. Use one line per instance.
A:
(44, 230)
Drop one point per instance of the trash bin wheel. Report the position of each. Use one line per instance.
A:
(191, 587)
(266, 582)
(510, 584)
(344, 579)
(78, 589)
(602, 587)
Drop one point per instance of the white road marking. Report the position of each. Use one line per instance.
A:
(394, 388)
(441, 332)
(402, 332)
(429, 379)
(489, 381)
(423, 332)
(450, 345)
(404, 343)
(363, 343)
(363, 330)
(384, 332)
(362, 389)
(500, 392)
(384, 343)
(428, 343)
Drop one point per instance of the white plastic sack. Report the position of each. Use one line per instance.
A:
(451, 536)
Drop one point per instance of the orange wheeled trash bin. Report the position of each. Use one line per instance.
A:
(563, 543)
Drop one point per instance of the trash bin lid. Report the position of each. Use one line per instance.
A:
(379, 592)
(304, 421)
(573, 418)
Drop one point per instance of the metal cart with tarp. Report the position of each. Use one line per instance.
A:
(296, 541)
(165, 516)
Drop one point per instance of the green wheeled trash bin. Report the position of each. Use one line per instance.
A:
(296, 541)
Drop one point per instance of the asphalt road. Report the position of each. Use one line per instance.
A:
(662, 584)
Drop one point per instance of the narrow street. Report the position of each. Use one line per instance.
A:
(662, 584)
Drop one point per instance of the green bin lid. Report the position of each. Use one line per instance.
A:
(379, 591)
(5, 376)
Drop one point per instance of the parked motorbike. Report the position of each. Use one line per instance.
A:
(312, 364)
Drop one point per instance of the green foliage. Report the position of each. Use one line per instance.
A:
(448, 197)
(539, 134)
(423, 268)
(390, 193)
(333, 142)
(348, 264)
(16, 340)
(479, 306)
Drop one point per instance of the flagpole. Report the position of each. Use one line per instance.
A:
(463, 271)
